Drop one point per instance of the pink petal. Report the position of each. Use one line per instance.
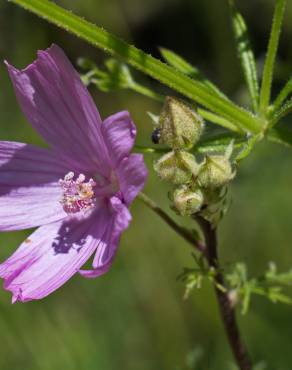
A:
(106, 250)
(29, 189)
(51, 255)
(132, 175)
(119, 133)
(60, 108)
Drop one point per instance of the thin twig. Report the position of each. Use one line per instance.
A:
(182, 231)
(226, 308)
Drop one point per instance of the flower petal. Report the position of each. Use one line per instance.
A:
(60, 108)
(51, 255)
(132, 175)
(29, 189)
(119, 133)
(106, 250)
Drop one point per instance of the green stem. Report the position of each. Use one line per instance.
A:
(142, 61)
(271, 56)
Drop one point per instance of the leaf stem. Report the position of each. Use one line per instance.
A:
(271, 56)
(226, 308)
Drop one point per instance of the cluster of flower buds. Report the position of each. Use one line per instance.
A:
(197, 185)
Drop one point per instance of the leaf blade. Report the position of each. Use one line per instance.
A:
(265, 93)
(245, 54)
(141, 61)
(185, 67)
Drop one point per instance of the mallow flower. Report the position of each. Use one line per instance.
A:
(77, 192)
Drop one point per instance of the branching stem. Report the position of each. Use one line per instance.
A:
(226, 308)
(209, 250)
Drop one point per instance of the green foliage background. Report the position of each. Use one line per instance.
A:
(134, 318)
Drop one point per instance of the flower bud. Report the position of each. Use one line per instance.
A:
(215, 172)
(187, 201)
(178, 167)
(180, 126)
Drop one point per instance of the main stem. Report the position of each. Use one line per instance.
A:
(209, 250)
(226, 308)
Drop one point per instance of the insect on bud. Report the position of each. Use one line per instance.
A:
(187, 201)
(178, 167)
(156, 134)
(215, 172)
(180, 126)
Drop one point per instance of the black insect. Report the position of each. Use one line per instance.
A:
(156, 134)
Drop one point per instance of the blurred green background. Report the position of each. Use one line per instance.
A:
(135, 318)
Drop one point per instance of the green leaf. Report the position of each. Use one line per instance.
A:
(269, 286)
(117, 77)
(185, 67)
(219, 143)
(245, 54)
(219, 120)
(146, 63)
(282, 112)
(283, 278)
(281, 135)
(214, 144)
(271, 56)
(247, 148)
(283, 95)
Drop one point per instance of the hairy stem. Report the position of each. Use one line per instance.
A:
(226, 308)
(183, 232)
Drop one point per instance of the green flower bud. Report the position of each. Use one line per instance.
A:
(180, 126)
(187, 201)
(215, 172)
(178, 167)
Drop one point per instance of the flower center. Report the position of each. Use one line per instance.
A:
(78, 195)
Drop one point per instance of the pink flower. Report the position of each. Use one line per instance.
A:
(78, 192)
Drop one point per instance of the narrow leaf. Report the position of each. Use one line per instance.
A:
(283, 95)
(219, 143)
(247, 148)
(214, 144)
(142, 61)
(185, 67)
(281, 112)
(245, 54)
(271, 56)
(281, 135)
(219, 120)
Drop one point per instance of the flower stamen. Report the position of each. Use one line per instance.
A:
(78, 195)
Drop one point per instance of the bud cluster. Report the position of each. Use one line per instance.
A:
(198, 186)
